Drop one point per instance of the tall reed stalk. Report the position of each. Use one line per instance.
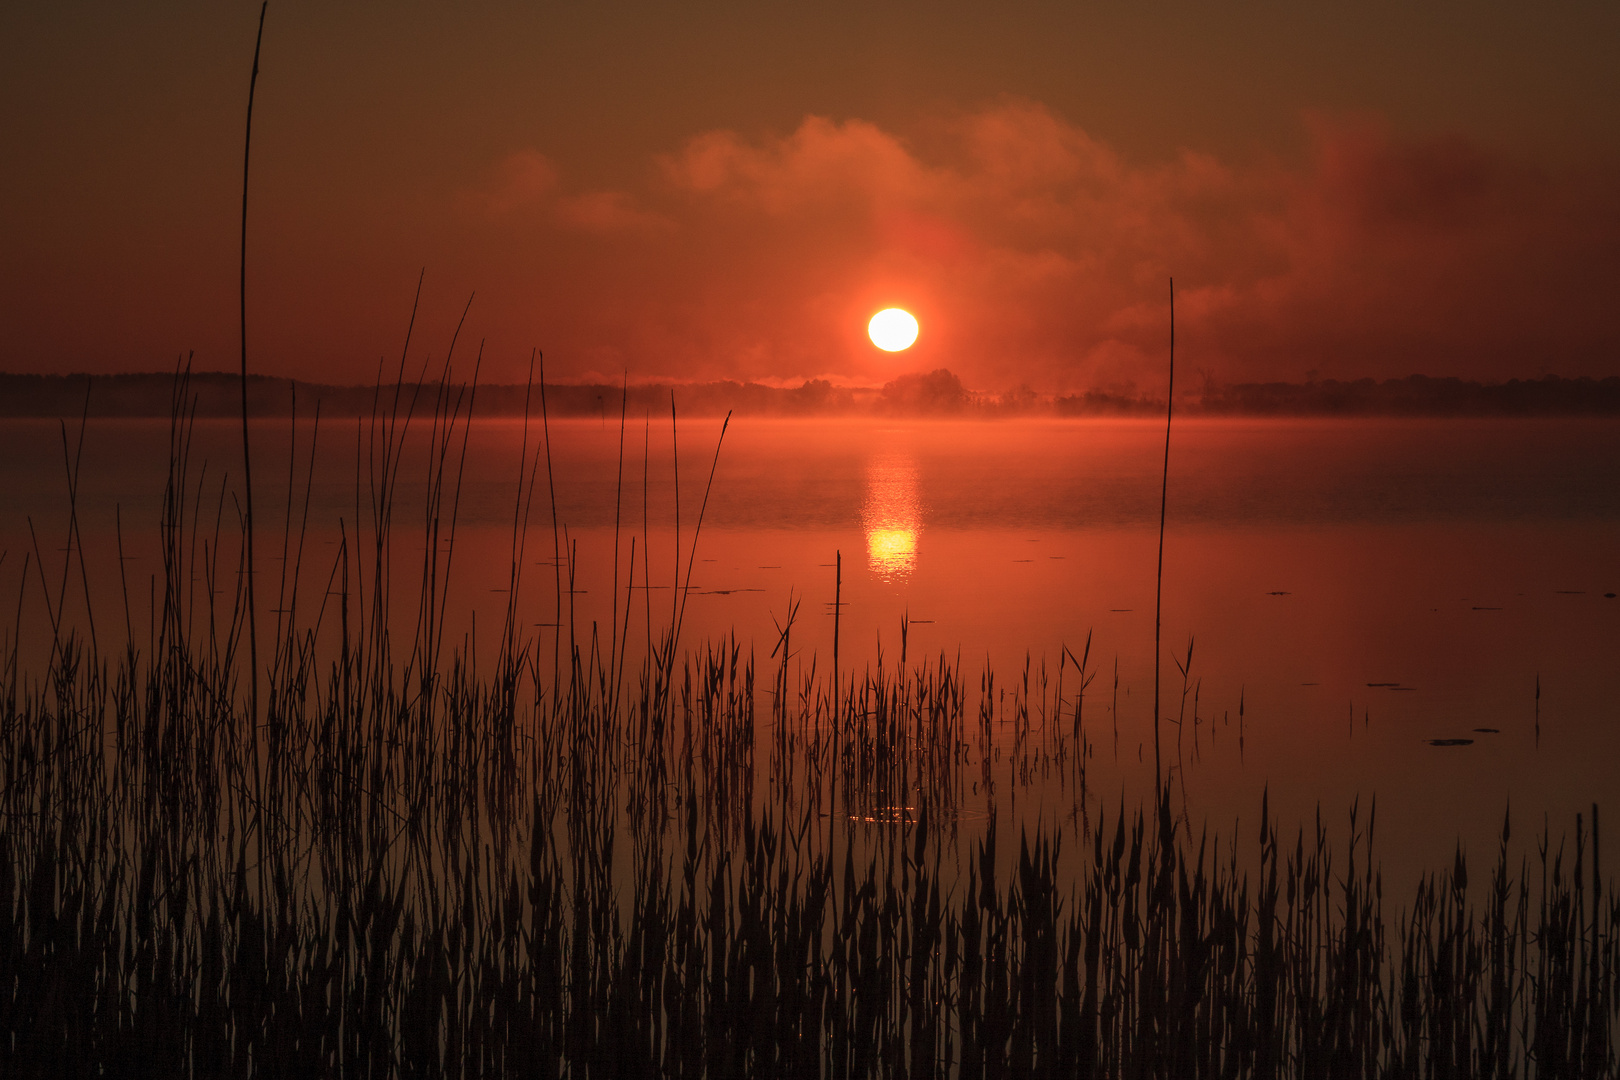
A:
(1164, 501)
(247, 453)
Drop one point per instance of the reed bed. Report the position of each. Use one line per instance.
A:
(401, 865)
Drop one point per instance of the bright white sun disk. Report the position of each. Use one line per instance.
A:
(892, 329)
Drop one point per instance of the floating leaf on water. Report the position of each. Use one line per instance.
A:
(1449, 742)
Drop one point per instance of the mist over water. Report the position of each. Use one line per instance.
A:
(1348, 591)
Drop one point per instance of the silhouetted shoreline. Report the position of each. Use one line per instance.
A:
(937, 393)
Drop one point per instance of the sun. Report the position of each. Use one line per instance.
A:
(892, 329)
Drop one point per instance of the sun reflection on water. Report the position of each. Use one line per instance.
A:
(891, 516)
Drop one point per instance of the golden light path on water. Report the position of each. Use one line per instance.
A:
(891, 516)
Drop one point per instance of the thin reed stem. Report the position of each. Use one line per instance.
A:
(1164, 495)
(247, 454)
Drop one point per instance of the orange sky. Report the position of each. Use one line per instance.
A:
(730, 190)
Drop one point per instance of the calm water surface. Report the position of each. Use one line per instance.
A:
(1358, 588)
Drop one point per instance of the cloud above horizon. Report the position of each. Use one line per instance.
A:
(1035, 253)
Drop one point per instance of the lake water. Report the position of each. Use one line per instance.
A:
(1358, 588)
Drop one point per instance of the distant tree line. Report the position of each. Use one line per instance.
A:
(935, 393)
(1420, 395)
(219, 394)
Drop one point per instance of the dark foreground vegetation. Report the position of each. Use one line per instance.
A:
(380, 859)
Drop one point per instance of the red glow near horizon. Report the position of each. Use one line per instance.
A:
(1325, 217)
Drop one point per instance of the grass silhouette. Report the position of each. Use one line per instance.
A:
(411, 867)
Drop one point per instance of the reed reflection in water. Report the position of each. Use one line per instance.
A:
(892, 515)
